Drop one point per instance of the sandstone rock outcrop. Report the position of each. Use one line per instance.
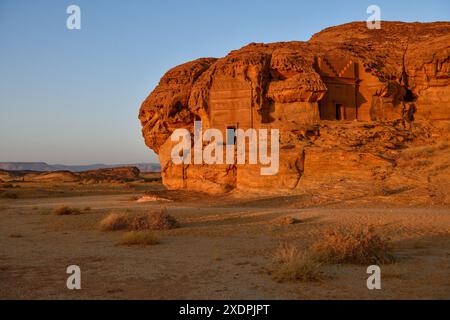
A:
(312, 92)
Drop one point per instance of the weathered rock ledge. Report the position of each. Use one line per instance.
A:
(339, 101)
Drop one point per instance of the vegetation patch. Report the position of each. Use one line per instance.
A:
(114, 222)
(66, 211)
(291, 264)
(16, 235)
(155, 220)
(10, 195)
(286, 220)
(141, 238)
(353, 245)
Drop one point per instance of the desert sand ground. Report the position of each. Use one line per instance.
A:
(222, 250)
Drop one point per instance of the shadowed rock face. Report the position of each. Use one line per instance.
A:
(346, 72)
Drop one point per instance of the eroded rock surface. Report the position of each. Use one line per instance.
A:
(312, 92)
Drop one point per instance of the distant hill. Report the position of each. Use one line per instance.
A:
(42, 166)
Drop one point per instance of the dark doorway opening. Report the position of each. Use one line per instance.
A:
(409, 96)
(339, 112)
(231, 135)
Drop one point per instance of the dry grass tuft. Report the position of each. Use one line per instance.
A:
(142, 238)
(114, 221)
(65, 211)
(10, 195)
(16, 235)
(355, 246)
(294, 265)
(286, 220)
(156, 220)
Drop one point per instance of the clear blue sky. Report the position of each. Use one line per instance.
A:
(73, 96)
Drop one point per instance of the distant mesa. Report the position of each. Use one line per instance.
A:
(338, 100)
(42, 166)
(42, 172)
(120, 174)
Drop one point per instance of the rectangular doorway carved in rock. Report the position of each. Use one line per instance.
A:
(231, 138)
(340, 111)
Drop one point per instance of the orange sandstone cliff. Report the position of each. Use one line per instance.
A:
(337, 99)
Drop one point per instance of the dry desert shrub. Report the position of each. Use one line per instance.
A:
(155, 220)
(290, 264)
(286, 220)
(65, 211)
(141, 238)
(10, 195)
(16, 235)
(353, 245)
(115, 221)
